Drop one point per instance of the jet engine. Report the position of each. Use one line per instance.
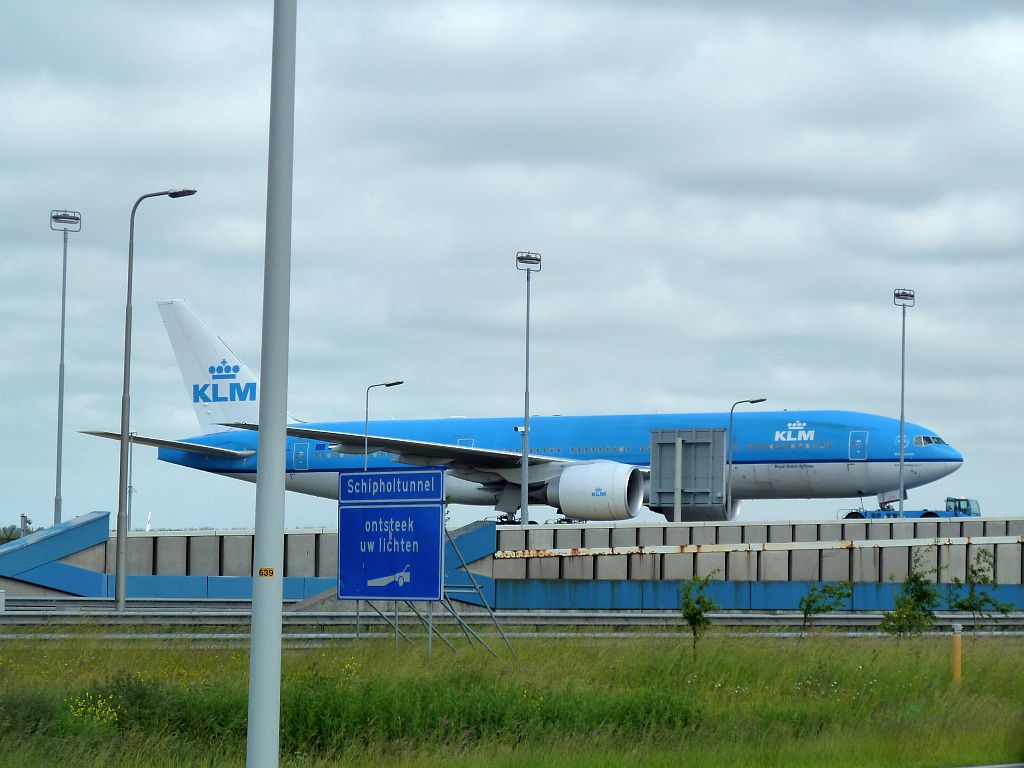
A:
(599, 490)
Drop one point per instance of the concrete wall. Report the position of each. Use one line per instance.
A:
(778, 552)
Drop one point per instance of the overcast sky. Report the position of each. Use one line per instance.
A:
(725, 195)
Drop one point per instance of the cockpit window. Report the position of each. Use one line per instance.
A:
(928, 440)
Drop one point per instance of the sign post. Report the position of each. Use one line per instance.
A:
(391, 535)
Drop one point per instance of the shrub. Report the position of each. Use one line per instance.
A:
(696, 605)
(824, 598)
(973, 596)
(914, 609)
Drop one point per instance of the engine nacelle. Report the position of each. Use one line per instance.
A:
(599, 490)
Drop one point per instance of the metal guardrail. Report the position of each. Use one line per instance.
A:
(239, 616)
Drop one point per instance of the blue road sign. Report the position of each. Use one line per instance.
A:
(410, 486)
(388, 548)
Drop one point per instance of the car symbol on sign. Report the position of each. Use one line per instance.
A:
(402, 578)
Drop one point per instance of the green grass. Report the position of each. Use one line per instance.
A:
(745, 701)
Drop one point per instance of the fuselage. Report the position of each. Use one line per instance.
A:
(780, 454)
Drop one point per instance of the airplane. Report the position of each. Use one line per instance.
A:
(589, 468)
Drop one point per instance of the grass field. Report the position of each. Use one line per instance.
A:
(757, 701)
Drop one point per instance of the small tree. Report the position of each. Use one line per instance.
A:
(973, 596)
(823, 598)
(696, 605)
(914, 609)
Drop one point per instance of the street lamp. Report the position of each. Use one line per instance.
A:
(528, 262)
(366, 419)
(62, 221)
(728, 471)
(122, 481)
(902, 297)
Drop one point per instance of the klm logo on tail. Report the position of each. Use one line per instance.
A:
(223, 388)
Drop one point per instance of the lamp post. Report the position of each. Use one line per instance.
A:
(366, 419)
(62, 221)
(728, 471)
(528, 262)
(122, 483)
(902, 297)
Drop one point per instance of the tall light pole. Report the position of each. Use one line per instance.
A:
(728, 471)
(902, 297)
(528, 262)
(122, 482)
(366, 419)
(62, 221)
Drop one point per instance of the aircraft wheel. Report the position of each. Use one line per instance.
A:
(854, 516)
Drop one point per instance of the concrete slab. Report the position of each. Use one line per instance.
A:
(300, 554)
(513, 540)
(708, 563)
(866, 562)
(835, 565)
(879, 529)
(730, 534)
(950, 529)
(972, 528)
(830, 532)
(895, 563)
(995, 527)
(171, 555)
(568, 538)
(676, 567)
(755, 534)
(597, 537)
(804, 565)
(774, 566)
(327, 555)
(805, 532)
(580, 567)
(650, 536)
(542, 567)
(780, 533)
(741, 566)
(677, 536)
(624, 537)
(611, 567)
(702, 534)
(926, 529)
(139, 555)
(238, 554)
(644, 567)
(510, 568)
(855, 531)
(903, 530)
(1008, 564)
(952, 562)
(204, 556)
(540, 538)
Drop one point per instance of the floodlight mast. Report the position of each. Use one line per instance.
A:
(62, 221)
(903, 297)
(528, 262)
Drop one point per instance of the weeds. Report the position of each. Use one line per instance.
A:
(574, 701)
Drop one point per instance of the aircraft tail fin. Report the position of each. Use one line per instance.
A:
(221, 387)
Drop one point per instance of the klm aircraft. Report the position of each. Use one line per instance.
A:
(587, 467)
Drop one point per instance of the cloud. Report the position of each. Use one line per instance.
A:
(725, 195)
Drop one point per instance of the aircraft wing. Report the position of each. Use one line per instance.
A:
(416, 451)
(178, 445)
